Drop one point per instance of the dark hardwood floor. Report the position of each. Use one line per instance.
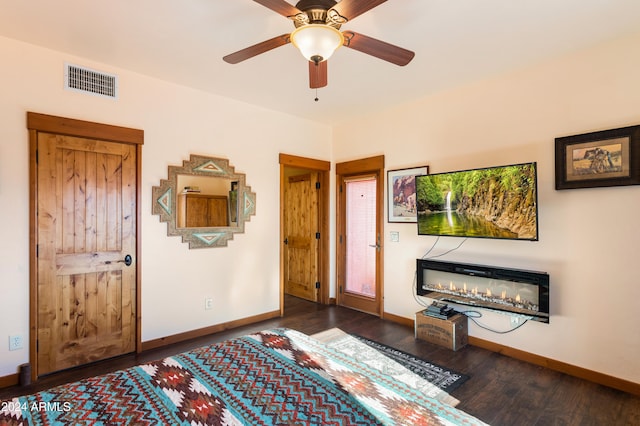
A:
(501, 390)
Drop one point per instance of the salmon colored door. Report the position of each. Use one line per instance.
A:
(86, 250)
(301, 229)
(359, 227)
(361, 236)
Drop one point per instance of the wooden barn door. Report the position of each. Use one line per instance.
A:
(86, 294)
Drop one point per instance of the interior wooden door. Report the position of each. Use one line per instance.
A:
(359, 228)
(86, 250)
(301, 236)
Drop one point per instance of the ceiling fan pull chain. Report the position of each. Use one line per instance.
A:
(316, 99)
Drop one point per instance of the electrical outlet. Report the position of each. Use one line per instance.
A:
(208, 303)
(15, 342)
(515, 321)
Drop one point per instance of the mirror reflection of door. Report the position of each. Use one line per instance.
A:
(301, 242)
(205, 201)
(359, 230)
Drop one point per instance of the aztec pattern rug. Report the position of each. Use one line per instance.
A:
(445, 379)
(275, 377)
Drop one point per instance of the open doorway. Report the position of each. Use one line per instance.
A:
(304, 229)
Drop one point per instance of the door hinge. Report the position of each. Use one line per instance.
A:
(317, 284)
(37, 250)
(317, 185)
(340, 239)
(317, 235)
(340, 289)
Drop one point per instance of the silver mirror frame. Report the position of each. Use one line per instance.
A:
(165, 202)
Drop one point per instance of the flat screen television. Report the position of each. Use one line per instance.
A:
(494, 202)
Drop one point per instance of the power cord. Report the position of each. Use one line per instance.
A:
(446, 252)
(418, 300)
(424, 256)
(477, 314)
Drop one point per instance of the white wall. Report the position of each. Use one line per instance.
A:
(177, 121)
(588, 237)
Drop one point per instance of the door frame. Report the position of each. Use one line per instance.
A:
(323, 168)
(37, 123)
(372, 166)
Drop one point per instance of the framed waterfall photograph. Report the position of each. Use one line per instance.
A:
(604, 158)
(401, 194)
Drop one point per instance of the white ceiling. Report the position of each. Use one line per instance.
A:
(183, 41)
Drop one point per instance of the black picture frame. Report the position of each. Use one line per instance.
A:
(598, 159)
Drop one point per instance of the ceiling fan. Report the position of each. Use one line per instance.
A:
(317, 35)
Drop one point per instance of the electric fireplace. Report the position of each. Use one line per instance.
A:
(513, 291)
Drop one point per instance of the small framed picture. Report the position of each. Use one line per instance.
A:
(401, 194)
(604, 158)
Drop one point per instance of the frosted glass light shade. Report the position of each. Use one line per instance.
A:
(317, 42)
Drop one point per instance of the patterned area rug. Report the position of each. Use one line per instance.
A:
(443, 378)
(395, 362)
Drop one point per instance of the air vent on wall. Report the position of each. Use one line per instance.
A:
(89, 81)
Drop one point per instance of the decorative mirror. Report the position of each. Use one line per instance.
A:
(205, 202)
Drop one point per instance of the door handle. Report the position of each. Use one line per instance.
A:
(128, 260)
(286, 240)
(376, 245)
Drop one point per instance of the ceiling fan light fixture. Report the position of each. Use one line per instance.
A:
(317, 42)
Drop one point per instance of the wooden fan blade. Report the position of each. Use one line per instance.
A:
(256, 49)
(279, 6)
(317, 74)
(352, 8)
(379, 49)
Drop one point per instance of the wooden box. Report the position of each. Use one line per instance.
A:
(450, 333)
